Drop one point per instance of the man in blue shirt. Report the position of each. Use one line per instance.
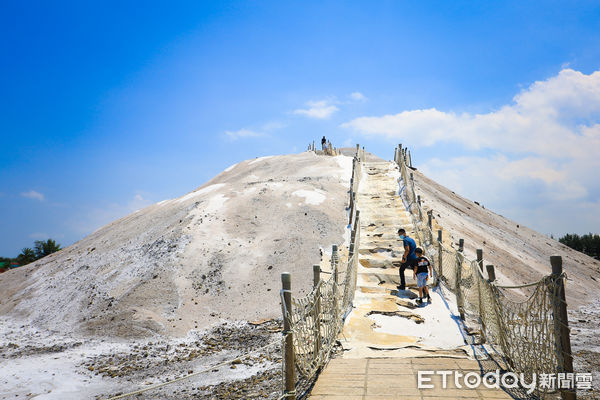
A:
(408, 258)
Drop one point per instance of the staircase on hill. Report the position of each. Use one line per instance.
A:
(387, 338)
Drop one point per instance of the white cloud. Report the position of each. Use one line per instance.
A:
(358, 96)
(544, 146)
(243, 133)
(321, 109)
(138, 202)
(555, 117)
(273, 126)
(32, 194)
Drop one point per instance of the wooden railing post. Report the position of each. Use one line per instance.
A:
(480, 259)
(409, 159)
(561, 325)
(317, 316)
(335, 291)
(356, 221)
(288, 354)
(459, 262)
(430, 225)
(491, 273)
(440, 255)
(334, 254)
(352, 205)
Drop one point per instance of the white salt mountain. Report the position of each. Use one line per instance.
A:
(217, 253)
(214, 254)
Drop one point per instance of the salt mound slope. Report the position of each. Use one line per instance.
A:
(521, 255)
(214, 254)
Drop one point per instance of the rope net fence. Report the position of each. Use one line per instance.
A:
(520, 321)
(315, 320)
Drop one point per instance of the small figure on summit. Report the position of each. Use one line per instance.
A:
(408, 258)
(323, 144)
(421, 269)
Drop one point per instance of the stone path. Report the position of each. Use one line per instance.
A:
(387, 338)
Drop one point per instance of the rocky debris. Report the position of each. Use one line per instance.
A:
(264, 385)
(164, 356)
(13, 350)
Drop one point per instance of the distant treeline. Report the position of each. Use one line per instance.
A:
(588, 244)
(28, 255)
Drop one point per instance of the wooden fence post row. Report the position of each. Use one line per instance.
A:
(288, 353)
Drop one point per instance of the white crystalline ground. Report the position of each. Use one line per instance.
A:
(149, 265)
(141, 277)
(200, 192)
(60, 376)
(230, 168)
(259, 159)
(313, 197)
(440, 330)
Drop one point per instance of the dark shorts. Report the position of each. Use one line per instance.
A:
(409, 264)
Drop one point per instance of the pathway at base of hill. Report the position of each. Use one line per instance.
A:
(397, 378)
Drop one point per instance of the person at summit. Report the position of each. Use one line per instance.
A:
(409, 257)
(323, 144)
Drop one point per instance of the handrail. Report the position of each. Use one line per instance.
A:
(313, 322)
(533, 335)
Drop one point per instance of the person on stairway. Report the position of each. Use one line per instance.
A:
(421, 269)
(408, 258)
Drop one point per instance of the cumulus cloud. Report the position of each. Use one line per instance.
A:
(542, 149)
(555, 117)
(32, 194)
(358, 96)
(321, 109)
(243, 133)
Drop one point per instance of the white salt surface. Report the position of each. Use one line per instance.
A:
(230, 167)
(345, 163)
(440, 330)
(260, 159)
(207, 189)
(54, 376)
(215, 203)
(313, 197)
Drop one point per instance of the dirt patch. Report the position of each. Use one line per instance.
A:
(404, 314)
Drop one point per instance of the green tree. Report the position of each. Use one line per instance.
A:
(588, 244)
(27, 256)
(42, 249)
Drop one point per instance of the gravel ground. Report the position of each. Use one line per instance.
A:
(99, 369)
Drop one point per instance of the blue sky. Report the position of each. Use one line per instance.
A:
(110, 106)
